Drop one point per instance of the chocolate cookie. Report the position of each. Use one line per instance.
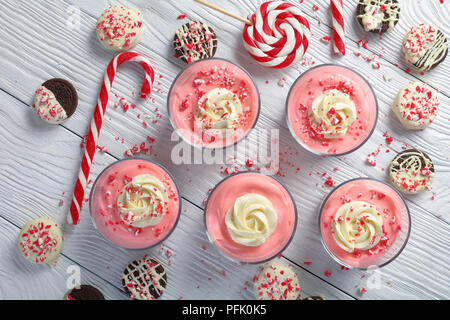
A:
(195, 40)
(425, 47)
(55, 100)
(378, 16)
(85, 292)
(144, 279)
(412, 171)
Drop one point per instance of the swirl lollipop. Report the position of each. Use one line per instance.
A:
(276, 35)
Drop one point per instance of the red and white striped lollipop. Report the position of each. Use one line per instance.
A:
(96, 124)
(278, 35)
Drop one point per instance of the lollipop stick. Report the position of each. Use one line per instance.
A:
(228, 13)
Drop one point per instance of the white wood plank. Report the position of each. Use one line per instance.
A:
(37, 170)
(86, 75)
(79, 57)
(413, 12)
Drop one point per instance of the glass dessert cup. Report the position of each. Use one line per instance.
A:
(223, 196)
(198, 79)
(311, 85)
(104, 209)
(396, 224)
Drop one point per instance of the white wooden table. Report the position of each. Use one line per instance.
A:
(39, 163)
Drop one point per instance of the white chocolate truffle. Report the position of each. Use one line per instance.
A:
(41, 241)
(47, 106)
(120, 29)
(412, 171)
(276, 281)
(416, 105)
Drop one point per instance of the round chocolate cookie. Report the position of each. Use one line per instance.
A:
(41, 241)
(144, 279)
(378, 16)
(425, 47)
(416, 105)
(411, 171)
(55, 100)
(195, 40)
(85, 292)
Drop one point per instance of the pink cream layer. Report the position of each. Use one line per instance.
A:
(388, 203)
(104, 205)
(310, 86)
(201, 77)
(223, 197)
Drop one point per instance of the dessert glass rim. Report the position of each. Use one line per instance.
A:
(293, 230)
(298, 140)
(185, 68)
(333, 191)
(152, 162)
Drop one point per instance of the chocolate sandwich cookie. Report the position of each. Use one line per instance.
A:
(195, 40)
(144, 279)
(85, 292)
(416, 105)
(412, 171)
(378, 16)
(425, 47)
(55, 100)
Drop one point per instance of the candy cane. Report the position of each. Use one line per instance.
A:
(278, 35)
(96, 124)
(337, 9)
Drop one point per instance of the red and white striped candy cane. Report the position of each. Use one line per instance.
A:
(337, 9)
(96, 124)
(278, 36)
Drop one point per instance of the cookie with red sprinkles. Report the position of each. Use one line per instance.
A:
(378, 16)
(276, 281)
(119, 28)
(144, 279)
(84, 292)
(55, 100)
(416, 105)
(193, 41)
(412, 171)
(425, 47)
(41, 241)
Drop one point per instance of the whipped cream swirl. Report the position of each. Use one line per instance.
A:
(143, 201)
(251, 220)
(357, 225)
(332, 113)
(219, 110)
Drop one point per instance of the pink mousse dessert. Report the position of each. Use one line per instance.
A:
(250, 217)
(331, 110)
(135, 203)
(213, 103)
(364, 223)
